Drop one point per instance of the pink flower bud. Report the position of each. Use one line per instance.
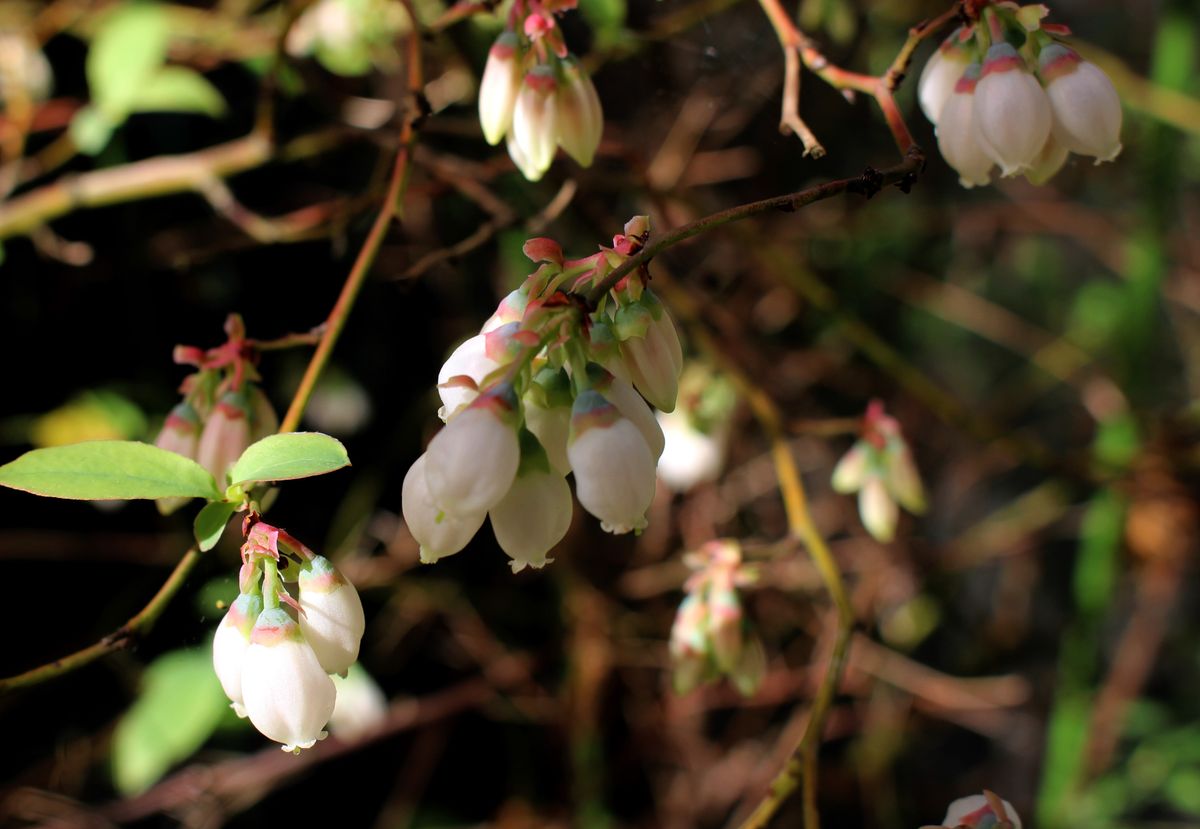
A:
(956, 135)
(976, 812)
(181, 431)
(656, 360)
(286, 693)
(580, 117)
(1012, 113)
(940, 74)
(472, 462)
(1084, 102)
(535, 120)
(230, 643)
(510, 309)
(1048, 162)
(226, 436)
(613, 466)
(438, 533)
(498, 87)
(534, 514)
(877, 510)
(332, 620)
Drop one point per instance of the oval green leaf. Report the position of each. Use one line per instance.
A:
(289, 456)
(210, 523)
(101, 470)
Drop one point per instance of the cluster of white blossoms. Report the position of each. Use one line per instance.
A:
(549, 387)
(538, 95)
(880, 468)
(273, 652)
(980, 811)
(1005, 93)
(711, 636)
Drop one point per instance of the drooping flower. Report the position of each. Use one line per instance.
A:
(629, 403)
(940, 75)
(226, 435)
(1085, 105)
(580, 117)
(285, 692)
(471, 359)
(498, 87)
(956, 136)
(655, 360)
(535, 513)
(613, 466)
(472, 462)
(230, 644)
(438, 533)
(332, 618)
(1012, 113)
(534, 128)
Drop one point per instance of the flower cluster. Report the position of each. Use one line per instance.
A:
(880, 468)
(711, 636)
(550, 387)
(223, 410)
(273, 653)
(537, 93)
(1004, 92)
(980, 811)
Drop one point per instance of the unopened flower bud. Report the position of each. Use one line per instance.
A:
(940, 74)
(286, 693)
(956, 135)
(498, 87)
(510, 309)
(535, 119)
(655, 360)
(180, 434)
(226, 435)
(438, 533)
(361, 706)
(1012, 113)
(472, 462)
(535, 513)
(230, 644)
(580, 117)
(1085, 105)
(332, 618)
(977, 812)
(613, 466)
(471, 359)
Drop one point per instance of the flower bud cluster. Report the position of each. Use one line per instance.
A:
(549, 388)
(711, 636)
(880, 468)
(223, 410)
(537, 94)
(1004, 92)
(981, 811)
(273, 652)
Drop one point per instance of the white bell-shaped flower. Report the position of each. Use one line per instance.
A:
(533, 516)
(976, 811)
(438, 533)
(1085, 105)
(361, 706)
(1048, 162)
(940, 74)
(286, 693)
(498, 87)
(613, 466)
(956, 135)
(690, 456)
(230, 643)
(535, 121)
(332, 620)
(1012, 113)
(656, 360)
(551, 427)
(580, 116)
(630, 404)
(471, 463)
(476, 358)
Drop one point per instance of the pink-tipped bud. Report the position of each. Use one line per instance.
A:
(332, 620)
(1012, 113)
(286, 693)
(978, 811)
(226, 435)
(956, 135)
(1085, 105)
(230, 643)
(438, 533)
(510, 309)
(940, 74)
(181, 431)
(472, 462)
(535, 122)
(614, 470)
(498, 87)
(580, 117)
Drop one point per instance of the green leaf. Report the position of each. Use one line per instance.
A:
(108, 469)
(180, 706)
(90, 130)
(289, 456)
(178, 89)
(210, 523)
(129, 47)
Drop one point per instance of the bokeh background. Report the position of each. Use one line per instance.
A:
(1033, 633)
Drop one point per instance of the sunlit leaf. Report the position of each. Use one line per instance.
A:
(108, 469)
(289, 456)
